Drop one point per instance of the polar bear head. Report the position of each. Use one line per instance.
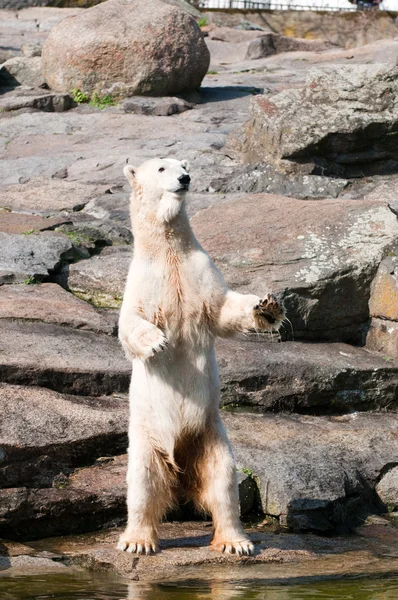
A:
(159, 185)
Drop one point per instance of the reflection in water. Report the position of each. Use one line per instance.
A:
(360, 589)
(100, 586)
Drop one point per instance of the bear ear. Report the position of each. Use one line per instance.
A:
(129, 173)
(185, 164)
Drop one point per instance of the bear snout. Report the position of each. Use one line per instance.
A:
(184, 179)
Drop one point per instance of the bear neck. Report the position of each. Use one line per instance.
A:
(153, 236)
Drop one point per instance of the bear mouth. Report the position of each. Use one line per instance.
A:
(183, 188)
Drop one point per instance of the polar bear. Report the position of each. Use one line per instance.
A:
(175, 304)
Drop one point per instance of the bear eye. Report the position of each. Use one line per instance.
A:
(161, 169)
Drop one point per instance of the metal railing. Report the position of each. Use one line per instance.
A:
(320, 5)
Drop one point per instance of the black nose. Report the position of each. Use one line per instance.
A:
(184, 179)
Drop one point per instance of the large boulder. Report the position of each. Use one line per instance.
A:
(344, 122)
(126, 48)
(317, 472)
(320, 255)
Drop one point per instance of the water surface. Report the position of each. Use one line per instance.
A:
(98, 586)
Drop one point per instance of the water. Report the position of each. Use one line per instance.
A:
(98, 586)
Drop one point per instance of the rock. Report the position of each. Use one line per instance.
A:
(32, 256)
(114, 206)
(342, 123)
(162, 107)
(383, 306)
(387, 489)
(20, 223)
(185, 6)
(44, 102)
(102, 278)
(244, 25)
(248, 493)
(383, 337)
(31, 50)
(236, 36)
(383, 301)
(34, 566)
(49, 303)
(84, 499)
(305, 378)
(321, 256)
(91, 235)
(61, 358)
(44, 435)
(256, 179)
(315, 472)
(273, 43)
(126, 48)
(279, 556)
(47, 196)
(32, 513)
(21, 70)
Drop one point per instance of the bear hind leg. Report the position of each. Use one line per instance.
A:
(150, 492)
(216, 491)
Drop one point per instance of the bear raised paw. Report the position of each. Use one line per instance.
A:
(175, 303)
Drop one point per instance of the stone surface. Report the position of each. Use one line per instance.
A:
(44, 435)
(162, 107)
(264, 178)
(62, 359)
(34, 255)
(312, 473)
(102, 278)
(383, 301)
(44, 102)
(20, 223)
(305, 378)
(236, 36)
(344, 28)
(343, 122)
(383, 337)
(387, 489)
(21, 70)
(45, 196)
(383, 306)
(315, 472)
(279, 557)
(104, 50)
(272, 43)
(320, 255)
(49, 303)
(31, 50)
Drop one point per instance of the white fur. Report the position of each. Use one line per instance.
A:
(175, 303)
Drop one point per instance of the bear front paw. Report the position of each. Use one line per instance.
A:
(145, 342)
(269, 313)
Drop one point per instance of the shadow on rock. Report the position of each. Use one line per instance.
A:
(5, 562)
(224, 93)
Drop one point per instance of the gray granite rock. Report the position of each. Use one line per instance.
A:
(61, 358)
(32, 256)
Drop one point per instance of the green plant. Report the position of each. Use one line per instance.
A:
(212, 72)
(98, 102)
(202, 22)
(79, 96)
(31, 280)
(29, 232)
(247, 472)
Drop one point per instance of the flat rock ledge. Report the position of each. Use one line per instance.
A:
(185, 555)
